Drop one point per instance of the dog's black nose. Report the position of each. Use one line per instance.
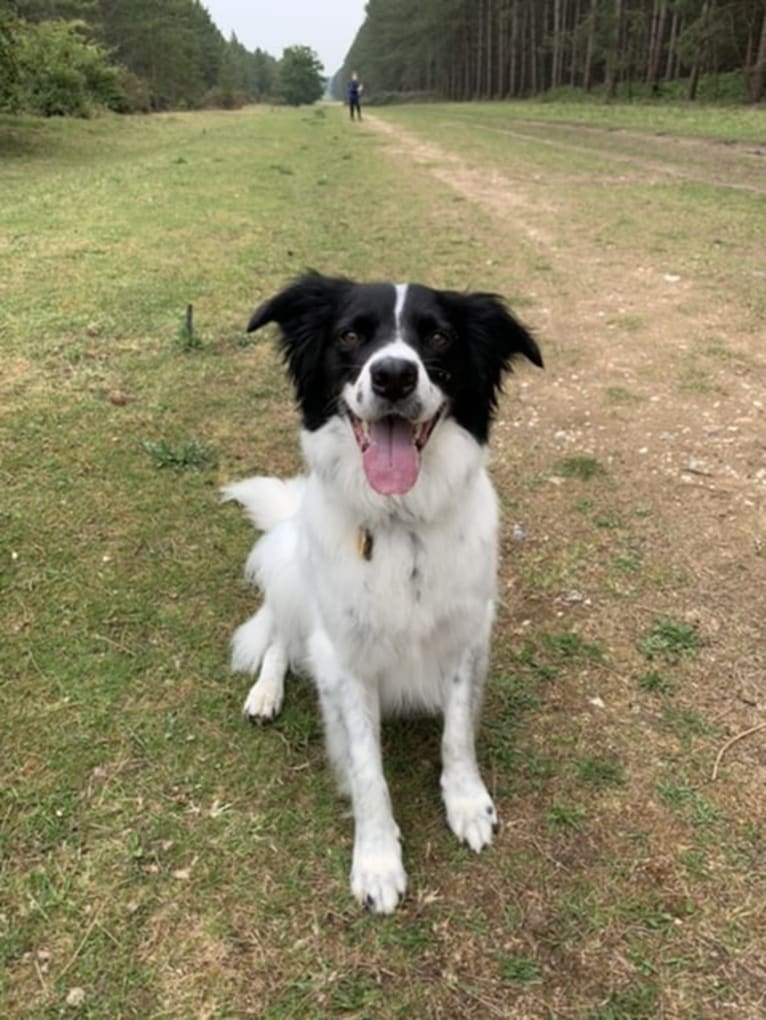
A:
(394, 378)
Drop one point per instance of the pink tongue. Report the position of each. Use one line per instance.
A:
(391, 461)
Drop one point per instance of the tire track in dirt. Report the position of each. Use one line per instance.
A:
(481, 184)
(756, 167)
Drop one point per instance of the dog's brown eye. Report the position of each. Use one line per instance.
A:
(348, 339)
(439, 340)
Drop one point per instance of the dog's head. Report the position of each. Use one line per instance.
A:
(394, 360)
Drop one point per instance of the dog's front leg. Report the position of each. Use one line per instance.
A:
(352, 727)
(470, 811)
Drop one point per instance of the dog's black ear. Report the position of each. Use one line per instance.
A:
(494, 334)
(305, 312)
(492, 337)
(310, 298)
(492, 318)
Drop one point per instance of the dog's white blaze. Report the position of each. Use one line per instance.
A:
(401, 295)
(396, 348)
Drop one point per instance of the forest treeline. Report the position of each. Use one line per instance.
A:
(497, 49)
(69, 56)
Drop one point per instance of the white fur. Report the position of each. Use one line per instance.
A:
(406, 629)
(401, 297)
(267, 501)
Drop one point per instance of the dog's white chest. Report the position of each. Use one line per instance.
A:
(400, 603)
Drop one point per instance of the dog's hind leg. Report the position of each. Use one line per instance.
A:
(256, 644)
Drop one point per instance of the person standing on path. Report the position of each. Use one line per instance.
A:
(355, 89)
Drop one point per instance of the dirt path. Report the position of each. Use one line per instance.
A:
(657, 379)
(723, 418)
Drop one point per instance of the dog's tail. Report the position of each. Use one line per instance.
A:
(267, 501)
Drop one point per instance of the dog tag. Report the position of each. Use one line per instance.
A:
(364, 544)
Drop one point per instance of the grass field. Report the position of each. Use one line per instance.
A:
(160, 858)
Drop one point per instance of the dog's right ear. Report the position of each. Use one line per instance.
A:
(309, 299)
(305, 312)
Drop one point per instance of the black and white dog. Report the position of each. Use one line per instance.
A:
(378, 566)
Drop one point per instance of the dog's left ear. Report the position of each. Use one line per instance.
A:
(493, 338)
(491, 319)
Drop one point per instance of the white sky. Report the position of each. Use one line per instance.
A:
(327, 26)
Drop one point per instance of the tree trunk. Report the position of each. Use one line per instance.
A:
(490, 48)
(655, 54)
(523, 51)
(479, 61)
(758, 70)
(501, 40)
(588, 65)
(573, 49)
(613, 56)
(555, 81)
(694, 77)
(671, 47)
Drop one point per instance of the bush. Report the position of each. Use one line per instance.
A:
(712, 88)
(222, 97)
(388, 98)
(9, 68)
(60, 72)
(134, 93)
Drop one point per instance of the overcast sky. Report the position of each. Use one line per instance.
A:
(327, 26)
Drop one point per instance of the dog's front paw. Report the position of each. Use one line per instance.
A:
(378, 879)
(264, 701)
(470, 812)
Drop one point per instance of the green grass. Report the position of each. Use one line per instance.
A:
(186, 455)
(568, 645)
(669, 641)
(161, 858)
(520, 969)
(600, 773)
(621, 395)
(564, 817)
(581, 467)
(655, 682)
(690, 802)
(637, 1001)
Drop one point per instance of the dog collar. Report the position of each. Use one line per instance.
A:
(364, 544)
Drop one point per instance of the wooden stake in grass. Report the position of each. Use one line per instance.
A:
(187, 339)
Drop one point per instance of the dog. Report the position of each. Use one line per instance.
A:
(378, 566)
